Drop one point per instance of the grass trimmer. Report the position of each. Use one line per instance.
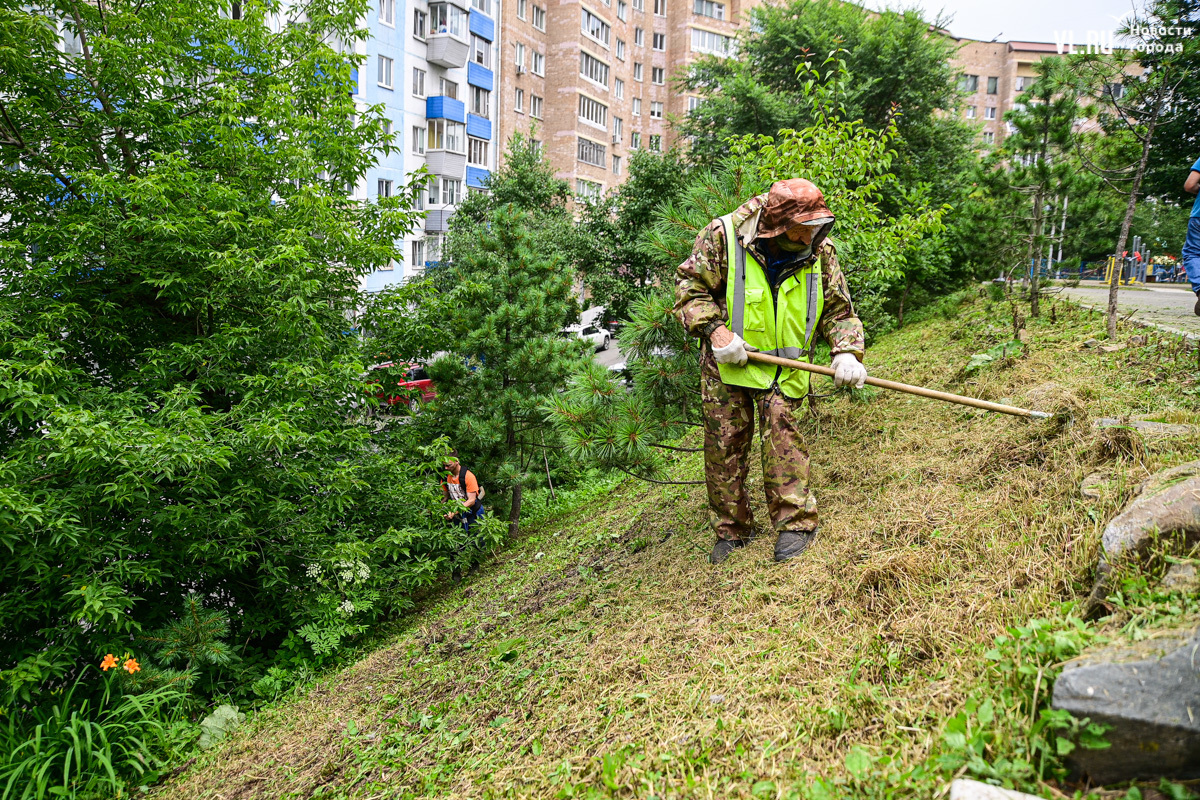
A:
(920, 391)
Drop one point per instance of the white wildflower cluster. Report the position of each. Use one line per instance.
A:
(313, 571)
(350, 571)
(347, 607)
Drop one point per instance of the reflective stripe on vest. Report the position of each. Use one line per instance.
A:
(774, 331)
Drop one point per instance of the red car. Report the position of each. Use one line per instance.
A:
(413, 388)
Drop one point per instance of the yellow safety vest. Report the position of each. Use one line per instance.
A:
(785, 331)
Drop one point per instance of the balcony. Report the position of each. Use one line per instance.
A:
(446, 163)
(438, 221)
(448, 39)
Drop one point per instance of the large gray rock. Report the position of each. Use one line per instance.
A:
(963, 789)
(1168, 502)
(1149, 694)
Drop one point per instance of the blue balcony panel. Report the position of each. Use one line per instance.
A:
(442, 107)
(479, 127)
(476, 177)
(480, 76)
(482, 26)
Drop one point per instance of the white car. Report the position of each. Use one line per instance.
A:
(599, 337)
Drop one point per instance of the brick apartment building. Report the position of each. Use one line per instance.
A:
(592, 77)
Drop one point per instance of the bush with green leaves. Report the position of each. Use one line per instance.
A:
(181, 461)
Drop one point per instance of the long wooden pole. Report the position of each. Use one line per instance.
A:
(933, 394)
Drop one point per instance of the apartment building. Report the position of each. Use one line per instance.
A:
(432, 67)
(591, 78)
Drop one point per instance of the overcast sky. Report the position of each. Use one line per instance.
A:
(1025, 20)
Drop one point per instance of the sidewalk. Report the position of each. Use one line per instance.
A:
(1168, 305)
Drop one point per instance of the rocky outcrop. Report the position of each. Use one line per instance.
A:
(1167, 503)
(1148, 693)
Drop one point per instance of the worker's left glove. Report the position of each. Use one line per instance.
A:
(848, 371)
(734, 352)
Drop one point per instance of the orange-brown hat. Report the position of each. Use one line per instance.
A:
(790, 203)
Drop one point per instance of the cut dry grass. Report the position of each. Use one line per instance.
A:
(603, 656)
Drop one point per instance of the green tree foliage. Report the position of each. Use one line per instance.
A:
(1036, 163)
(510, 299)
(902, 74)
(613, 257)
(178, 372)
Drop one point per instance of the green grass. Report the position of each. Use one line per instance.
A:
(602, 656)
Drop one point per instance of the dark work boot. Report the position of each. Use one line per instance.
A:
(1197, 308)
(723, 548)
(793, 543)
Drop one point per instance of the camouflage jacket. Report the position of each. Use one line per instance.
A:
(700, 283)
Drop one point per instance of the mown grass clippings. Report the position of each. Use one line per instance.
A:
(869, 667)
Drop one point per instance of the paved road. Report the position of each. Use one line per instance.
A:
(1170, 305)
(613, 355)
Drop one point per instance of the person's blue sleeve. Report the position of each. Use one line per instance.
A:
(1196, 166)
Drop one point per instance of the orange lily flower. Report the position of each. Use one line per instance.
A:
(108, 663)
(131, 666)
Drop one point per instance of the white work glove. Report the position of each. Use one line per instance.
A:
(734, 352)
(848, 371)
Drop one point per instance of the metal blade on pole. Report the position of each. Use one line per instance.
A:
(920, 391)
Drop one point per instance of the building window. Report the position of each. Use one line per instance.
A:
(620, 49)
(712, 43)
(481, 51)
(659, 41)
(593, 111)
(477, 151)
(658, 75)
(707, 8)
(989, 112)
(618, 129)
(539, 18)
(619, 88)
(447, 135)
(447, 88)
(522, 6)
(418, 82)
(519, 101)
(622, 10)
(637, 106)
(970, 112)
(639, 5)
(447, 18)
(482, 6)
(451, 191)
(693, 104)
(655, 142)
(535, 146)
(593, 153)
(1114, 90)
(968, 83)
(520, 60)
(387, 12)
(639, 37)
(993, 85)
(637, 71)
(480, 100)
(385, 72)
(616, 165)
(535, 106)
(635, 141)
(418, 253)
(418, 140)
(989, 137)
(420, 22)
(656, 110)
(1023, 83)
(390, 266)
(660, 8)
(593, 69)
(387, 127)
(433, 189)
(595, 27)
(587, 190)
(383, 188)
(539, 63)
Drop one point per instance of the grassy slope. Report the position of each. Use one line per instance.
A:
(602, 651)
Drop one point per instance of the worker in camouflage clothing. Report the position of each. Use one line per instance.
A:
(765, 278)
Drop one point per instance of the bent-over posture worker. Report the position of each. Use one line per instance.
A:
(765, 277)
(461, 489)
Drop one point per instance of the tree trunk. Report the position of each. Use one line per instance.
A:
(1039, 201)
(1127, 223)
(903, 297)
(514, 516)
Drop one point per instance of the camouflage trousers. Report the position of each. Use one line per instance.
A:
(728, 432)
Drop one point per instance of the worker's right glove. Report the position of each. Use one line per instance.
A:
(848, 371)
(734, 352)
